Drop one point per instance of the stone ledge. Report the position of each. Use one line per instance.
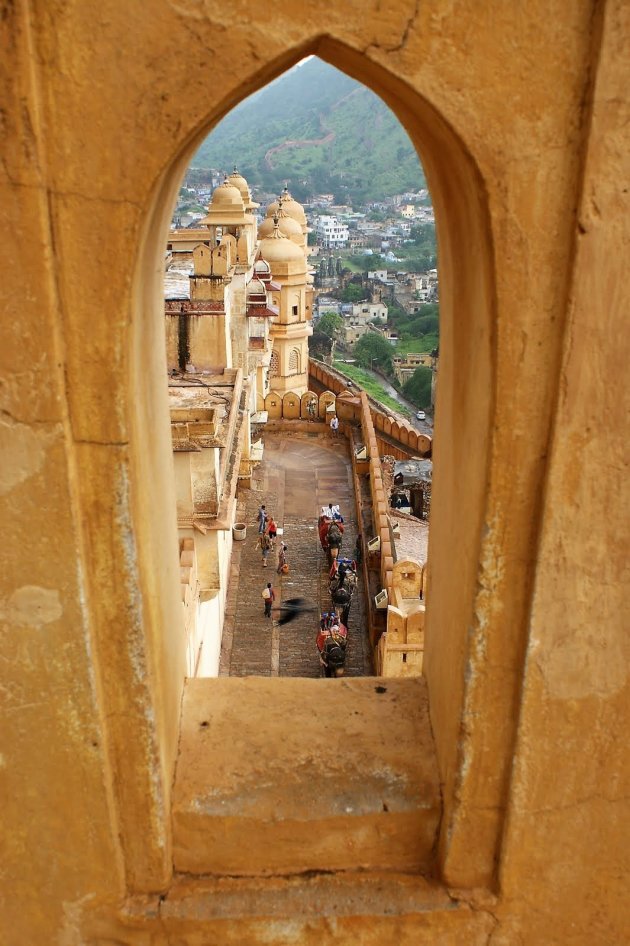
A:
(317, 910)
(293, 775)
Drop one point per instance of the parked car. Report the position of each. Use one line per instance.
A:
(421, 415)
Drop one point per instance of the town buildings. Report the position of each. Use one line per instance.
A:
(331, 232)
(359, 320)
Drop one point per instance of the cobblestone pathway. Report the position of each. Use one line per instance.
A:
(298, 475)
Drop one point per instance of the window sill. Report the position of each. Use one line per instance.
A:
(282, 776)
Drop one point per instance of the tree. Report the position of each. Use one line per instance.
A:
(199, 176)
(320, 345)
(423, 233)
(329, 323)
(352, 293)
(418, 388)
(372, 349)
(428, 324)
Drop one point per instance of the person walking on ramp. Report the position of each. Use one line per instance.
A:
(268, 597)
(283, 565)
(272, 529)
(265, 544)
(261, 518)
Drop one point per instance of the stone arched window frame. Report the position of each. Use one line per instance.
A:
(467, 404)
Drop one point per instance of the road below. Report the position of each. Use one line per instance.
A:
(425, 426)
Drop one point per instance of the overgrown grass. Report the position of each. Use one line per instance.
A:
(352, 263)
(369, 384)
(426, 343)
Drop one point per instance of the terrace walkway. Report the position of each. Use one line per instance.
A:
(299, 474)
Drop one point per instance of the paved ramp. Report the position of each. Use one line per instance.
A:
(299, 474)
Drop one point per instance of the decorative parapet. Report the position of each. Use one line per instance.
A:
(379, 500)
(394, 435)
(273, 405)
(309, 406)
(400, 651)
(291, 405)
(193, 307)
(327, 401)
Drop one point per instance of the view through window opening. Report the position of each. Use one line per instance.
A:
(317, 247)
(465, 408)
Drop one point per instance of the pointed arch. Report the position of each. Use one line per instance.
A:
(465, 399)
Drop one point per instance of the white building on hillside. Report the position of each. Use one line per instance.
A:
(366, 311)
(331, 232)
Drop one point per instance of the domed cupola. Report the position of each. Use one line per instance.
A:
(256, 292)
(278, 250)
(238, 181)
(289, 227)
(262, 269)
(257, 299)
(226, 207)
(290, 206)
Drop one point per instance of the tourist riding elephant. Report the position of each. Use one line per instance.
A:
(330, 535)
(334, 538)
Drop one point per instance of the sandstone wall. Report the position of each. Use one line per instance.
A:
(520, 113)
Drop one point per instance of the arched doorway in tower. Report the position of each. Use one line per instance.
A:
(302, 257)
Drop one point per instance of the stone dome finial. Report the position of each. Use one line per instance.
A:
(289, 206)
(237, 180)
(289, 227)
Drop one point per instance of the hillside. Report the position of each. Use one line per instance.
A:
(319, 130)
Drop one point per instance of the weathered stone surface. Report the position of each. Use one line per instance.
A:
(368, 910)
(521, 115)
(351, 784)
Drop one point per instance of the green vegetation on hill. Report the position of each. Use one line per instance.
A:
(418, 388)
(420, 254)
(372, 350)
(349, 142)
(417, 331)
(369, 384)
(330, 323)
(423, 343)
